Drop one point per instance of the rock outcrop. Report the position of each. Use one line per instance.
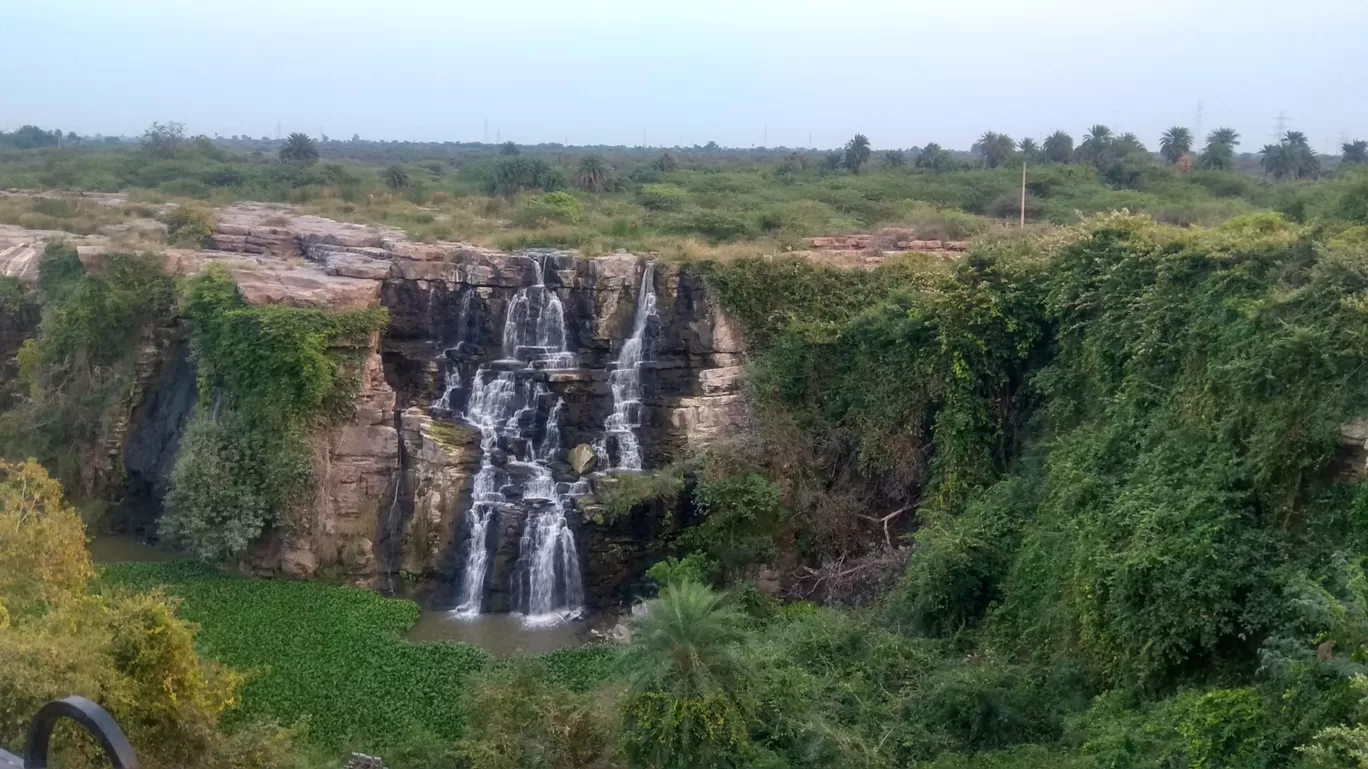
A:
(393, 480)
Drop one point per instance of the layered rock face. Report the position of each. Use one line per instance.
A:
(394, 480)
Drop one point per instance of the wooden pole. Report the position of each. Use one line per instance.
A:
(1023, 193)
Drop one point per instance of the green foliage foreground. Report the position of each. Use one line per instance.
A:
(336, 656)
(1122, 449)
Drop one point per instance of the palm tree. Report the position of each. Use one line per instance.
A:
(1175, 143)
(593, 173)
(1059, 147)
(995, 148)
(1290, 158)
(857, 153)
(300, 149)
(508, 148)
(933, 158)
(894, 159)
(1219, 154)
(685, 660)
(1127, 143)
(396, 178)
(1224, 136)
(1096, 146)
(1355, 152)
(1029, 149)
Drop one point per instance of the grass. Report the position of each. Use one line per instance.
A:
(336, 656)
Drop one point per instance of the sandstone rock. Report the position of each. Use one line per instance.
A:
(583, 459)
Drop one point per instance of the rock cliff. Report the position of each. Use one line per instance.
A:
(394, 480)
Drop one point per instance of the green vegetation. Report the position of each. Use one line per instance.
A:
(688, 202)
(1114, 445)
(267, 377)
(336, 654)
(129, 652)
(71, 376)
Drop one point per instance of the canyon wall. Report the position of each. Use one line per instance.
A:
(394, 480)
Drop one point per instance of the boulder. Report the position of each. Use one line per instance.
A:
(583, 459)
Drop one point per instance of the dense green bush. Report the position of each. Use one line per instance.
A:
(73, 374)
(551, 208)
(267, 377)
(188, 225)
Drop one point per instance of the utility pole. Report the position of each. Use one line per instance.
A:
(1023, 194)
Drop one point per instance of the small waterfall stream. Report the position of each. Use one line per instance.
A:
(506, 398)
(621, 425)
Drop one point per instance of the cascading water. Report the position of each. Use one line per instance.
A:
(506, 397)
(453, 372)
(620, 426)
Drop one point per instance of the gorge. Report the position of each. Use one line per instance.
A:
(454, 467)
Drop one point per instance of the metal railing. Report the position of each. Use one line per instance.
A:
(90, 716)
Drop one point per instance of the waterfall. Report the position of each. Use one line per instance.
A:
(452, 374)
(620, 426)
(515, 475)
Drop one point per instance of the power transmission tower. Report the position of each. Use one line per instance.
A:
(1280, 126)
(484, 139)
(765, 142)
(1197, 127)
(277, 130)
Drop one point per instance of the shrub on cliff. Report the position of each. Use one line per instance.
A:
(268, 376)
(78, 367)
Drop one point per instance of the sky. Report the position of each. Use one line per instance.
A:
(682, 72)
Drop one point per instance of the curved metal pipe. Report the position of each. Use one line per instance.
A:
(92, 718)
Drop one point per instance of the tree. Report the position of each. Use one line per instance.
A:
(396, 177)
(593, 173)
(164, 139)
(1219, 154)
(1059, 147)
(509, 148)
(1291, 158)
(1128, 143)
(995, 148)
(894, 159)
(1175, 143)
(934, 158)
(1355, 152)
(857, 153)
(299, 149)
(129, 652)
(686, 706)
(665, 163)
(1029, 149)
(43, 560)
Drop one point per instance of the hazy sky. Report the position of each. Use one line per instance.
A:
(687, 71)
